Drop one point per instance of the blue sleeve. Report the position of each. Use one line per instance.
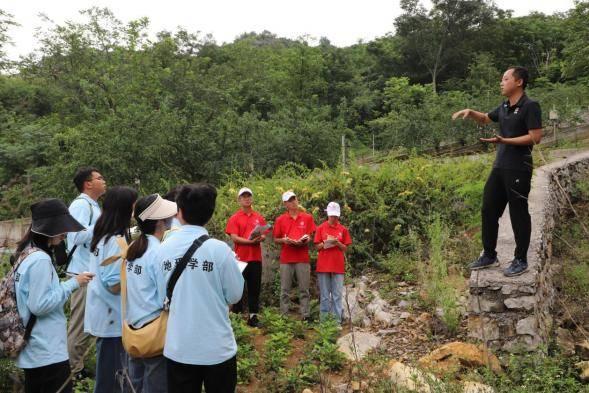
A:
(231, 278)
(110, 275)
(80, 210)
(156, 275)
(45, 295)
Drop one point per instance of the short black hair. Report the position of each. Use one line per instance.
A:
(83, 175)
(173, 193)
(197, 203)
(520, 73)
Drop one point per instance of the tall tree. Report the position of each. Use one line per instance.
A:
(442, 37)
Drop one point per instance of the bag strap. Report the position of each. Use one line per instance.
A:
(123, 246)
(71, 253)
(180, 268)
(33, 318)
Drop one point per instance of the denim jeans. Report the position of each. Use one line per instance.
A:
(111, 359)
(149, 375)
(331, 286)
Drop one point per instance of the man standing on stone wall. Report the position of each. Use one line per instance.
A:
(520, 128)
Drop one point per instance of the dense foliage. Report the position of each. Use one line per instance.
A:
(154, 112)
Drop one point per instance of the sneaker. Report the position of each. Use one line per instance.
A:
(518, 266)
(484, 262)
(253, 321)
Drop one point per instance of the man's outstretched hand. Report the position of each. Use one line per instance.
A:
(463, 114)
(495, 139)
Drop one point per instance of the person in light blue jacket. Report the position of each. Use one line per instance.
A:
(40, 295)
(144, 298)
(200, 345)
(103, 301)
(85, 209)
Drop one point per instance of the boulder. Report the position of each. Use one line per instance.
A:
(376, 305)
(362, 342)
(476, 387)
(384, 318)
(565, 341)
(352, 306)
(582, 349)
(453, 357)
(412, 379)
(583, 368)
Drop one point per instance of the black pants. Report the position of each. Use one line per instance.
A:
(48, 379)
(188, 378)
(507, 186)
(252, 275)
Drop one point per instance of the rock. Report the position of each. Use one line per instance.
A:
(565, 341)
(364, 343)
(376, 305)
(521, 303)
(384, 318)
(527, 325)
(475, 387)
(404, 315)
(479, 304)
(341, 388)
(452, 357)
(355, 386)
(483, 328)
(582, 349)
(307, 391)
(352, 306)
(404, 304)
(583, 368)
(366, 322)
(411, 378)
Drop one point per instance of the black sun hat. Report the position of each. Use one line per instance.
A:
(51, 217)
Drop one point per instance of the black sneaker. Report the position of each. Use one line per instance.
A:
(518, 266)
(484, 262)
(253, 321)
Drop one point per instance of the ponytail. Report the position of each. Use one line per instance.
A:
(137, 247)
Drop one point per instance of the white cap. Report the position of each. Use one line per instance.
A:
(160, 208)
(287, 195)
(243, 191)
(333, 209)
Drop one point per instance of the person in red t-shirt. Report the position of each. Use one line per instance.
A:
(331, 239)
(293, 231)
(248, 249)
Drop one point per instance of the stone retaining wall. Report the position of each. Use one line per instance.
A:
(514, 313)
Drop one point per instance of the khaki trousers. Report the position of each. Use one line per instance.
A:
(302, 270)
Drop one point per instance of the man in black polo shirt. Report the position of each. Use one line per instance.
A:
(520, 128)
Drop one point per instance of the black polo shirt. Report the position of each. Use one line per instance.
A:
(516, 121)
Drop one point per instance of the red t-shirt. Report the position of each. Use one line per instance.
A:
(294, 228)
(331, 260)
(242, 225)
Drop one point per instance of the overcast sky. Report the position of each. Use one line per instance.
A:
(343, 22)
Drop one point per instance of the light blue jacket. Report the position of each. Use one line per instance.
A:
(199, 331)
(39, 292)
(102, 317)
(144, 281)
(80, 210)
